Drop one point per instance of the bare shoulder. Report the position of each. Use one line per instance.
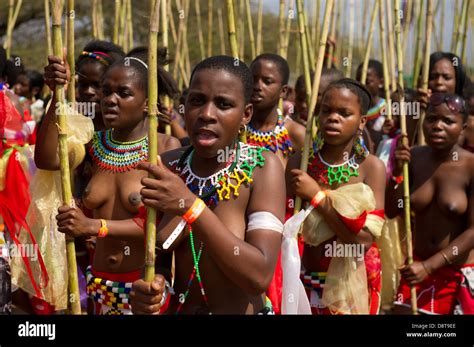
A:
(374, 167)
(296, 132)
(167, 143)
(272, 167)
(170, 156)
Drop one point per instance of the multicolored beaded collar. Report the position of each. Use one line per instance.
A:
(273, 140)
(227, 181)
(217, 187)
(376, 111)
(116, 156)
(329, 174)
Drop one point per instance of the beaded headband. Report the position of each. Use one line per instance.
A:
(139, 60)
(100, 56)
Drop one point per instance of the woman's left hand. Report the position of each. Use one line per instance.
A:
(166, 192)
(304, 185)
(414, 273)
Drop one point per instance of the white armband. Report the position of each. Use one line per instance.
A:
(264, 220)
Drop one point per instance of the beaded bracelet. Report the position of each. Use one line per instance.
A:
(103, 231)
(397, 180)
(446, 258)
(320, 196)
(194, 211)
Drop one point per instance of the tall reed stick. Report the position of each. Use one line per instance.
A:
(100, 16)
(465, 24)
(199, 27)
(250, 27)
(234, 49)
(281, 27)
(123, 13)
(259, 28)
(172, 27)
(210, 16)
(47, 22)
(152, 133)
(129, 24)
(386, 74)
(339, 33)
(95, 30)
(186, 56)
(407, 23)
(12, 17)
(117, 21)
(316, 25)
(304, 47)
(241, 29)
(370, 36)
(67, 198)
(71, 90)
(314, 93)
(419, 31)
(221, 27)
(457, 14)
(441, 27)
(426, 66)
(406, 177)
(164, 37)
(309, 41)
(289, 21)
(329, 60)
(391, 46)
(348, 66)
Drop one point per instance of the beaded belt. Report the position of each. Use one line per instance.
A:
(109, 293)
(313, 280)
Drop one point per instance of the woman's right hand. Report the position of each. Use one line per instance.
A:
(402, 154)
(147, 298)
(56, 72)
(423, 96)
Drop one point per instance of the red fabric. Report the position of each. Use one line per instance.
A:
(41, 307)
(14, 203)
(118, 277)
(436, 294)
(356, 224)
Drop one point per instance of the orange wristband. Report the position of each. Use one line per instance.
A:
(103, 231)
(320, 196)
(194, 211)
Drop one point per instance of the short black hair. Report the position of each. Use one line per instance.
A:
(166, 83)
(232, 65)
(461, 78)
(332, 72)
(357, 88)
(114, 52)
(376, 65)
(280, 62)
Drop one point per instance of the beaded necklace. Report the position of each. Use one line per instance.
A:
(212, 189)
(117, 156)
(274, 140)
(329, 173)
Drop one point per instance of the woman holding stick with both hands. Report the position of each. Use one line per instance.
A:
(224, 222)
(442, 197)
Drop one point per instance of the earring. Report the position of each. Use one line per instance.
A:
(360, 149)
(243, 129)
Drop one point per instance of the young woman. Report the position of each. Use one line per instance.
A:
(113, 190)
(225, 257)
(346, 187)
(269, 127)
(442, 193)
